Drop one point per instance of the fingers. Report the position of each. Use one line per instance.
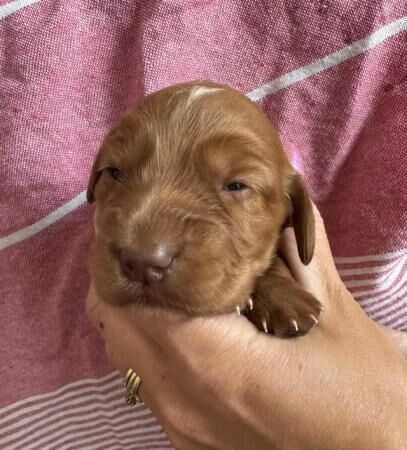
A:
(294, 155)
(322, 243)
(141, 339)
(144, 338)
(93, 311)
(321, 273)
(110, 319)
(127, 345)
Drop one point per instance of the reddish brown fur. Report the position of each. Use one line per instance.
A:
(177, 154)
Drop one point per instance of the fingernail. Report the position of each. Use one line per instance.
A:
(295, 157)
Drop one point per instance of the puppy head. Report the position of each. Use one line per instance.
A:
(192, 188)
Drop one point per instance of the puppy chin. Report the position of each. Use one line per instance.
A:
(218, 295)
(195, 303)
(121, 291)
(117, 293)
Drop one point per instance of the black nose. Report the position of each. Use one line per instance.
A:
(147, 265)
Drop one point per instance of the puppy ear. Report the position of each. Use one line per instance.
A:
(94, 178)
(302, 218)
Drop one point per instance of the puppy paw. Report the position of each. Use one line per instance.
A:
(287, 317)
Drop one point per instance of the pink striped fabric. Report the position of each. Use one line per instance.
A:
(332, 77)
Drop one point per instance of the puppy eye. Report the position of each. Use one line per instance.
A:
(235, 186)
(115, 173)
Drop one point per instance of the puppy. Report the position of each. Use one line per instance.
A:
(192, 191)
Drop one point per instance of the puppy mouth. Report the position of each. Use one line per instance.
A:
(188, 285)
(144, 291)
(166, 293)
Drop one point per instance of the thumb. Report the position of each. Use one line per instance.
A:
(320, 277)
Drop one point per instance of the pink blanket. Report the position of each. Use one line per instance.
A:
(331, 75)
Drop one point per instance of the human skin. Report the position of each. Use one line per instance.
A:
(219, 383)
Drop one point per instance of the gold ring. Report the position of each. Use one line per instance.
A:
(132, 384)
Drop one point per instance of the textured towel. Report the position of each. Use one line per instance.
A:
(332, 76)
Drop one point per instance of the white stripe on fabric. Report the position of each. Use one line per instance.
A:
(12, 7)
(370, 258)
(45, 222)
(402, 320)
(369, 270)
(153, 445)
(97, 443)
(396, 292)
(157, 446)
(379, 293)
(382, 298)
(121, 424)
(62, 394)
(271, 87)
(41, 431)
(43, 409)
(75, 419)
(93, 435)
(398, 313)
(352, 50)
(133, 437)
(396, 303)
(379, 283)
(106, 401)
(382, 282)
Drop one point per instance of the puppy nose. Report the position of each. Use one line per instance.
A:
(147, 266)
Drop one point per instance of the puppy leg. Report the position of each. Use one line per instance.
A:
(280, 306)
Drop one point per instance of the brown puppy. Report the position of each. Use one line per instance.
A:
(192, 190)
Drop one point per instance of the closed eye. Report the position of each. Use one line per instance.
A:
(235, 186)
(115, 173)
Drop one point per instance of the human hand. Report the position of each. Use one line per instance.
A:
(218, 383)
